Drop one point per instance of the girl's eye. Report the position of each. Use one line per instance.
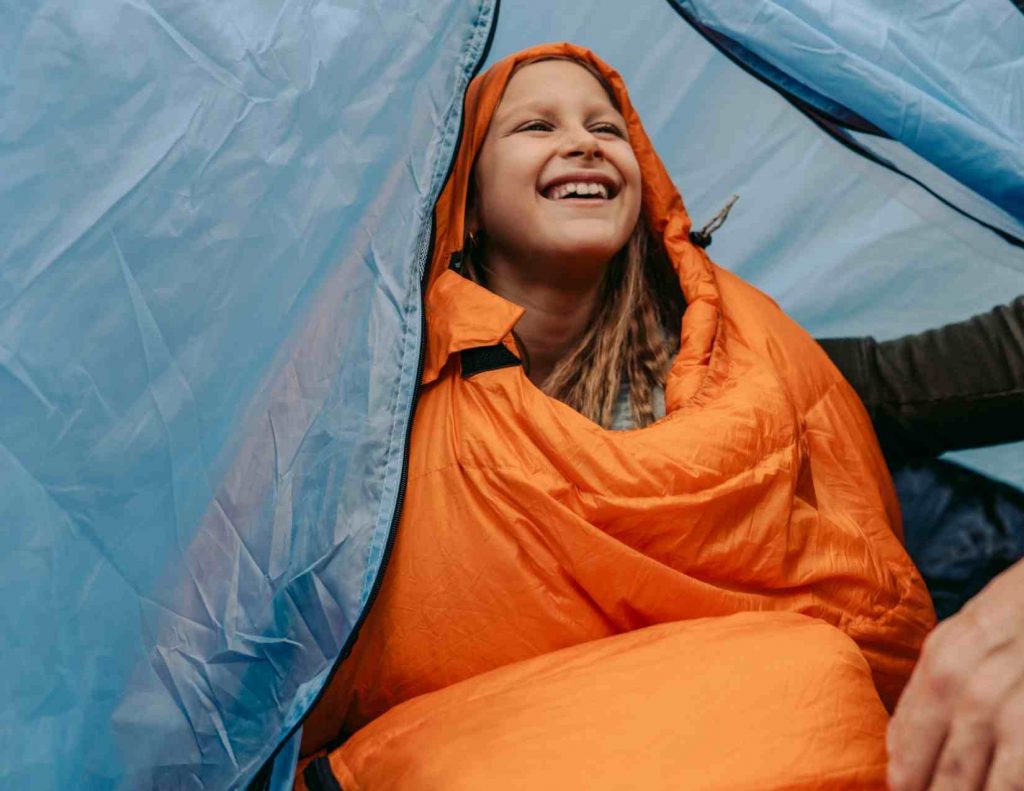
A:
(598, 129)
(610, 129)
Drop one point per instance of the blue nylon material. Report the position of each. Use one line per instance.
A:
(940, 182)
(942, 77)
(286, 763)
(210, 218)
(784, 82)
(961, 529)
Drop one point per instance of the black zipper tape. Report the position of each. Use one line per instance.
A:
(319, 777)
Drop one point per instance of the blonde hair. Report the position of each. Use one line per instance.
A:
(637, 315)
(639, 310)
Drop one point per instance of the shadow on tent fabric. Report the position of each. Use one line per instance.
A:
(962, 528)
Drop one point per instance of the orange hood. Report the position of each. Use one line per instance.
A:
(463, 315)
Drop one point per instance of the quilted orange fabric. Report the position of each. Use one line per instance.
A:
(528, 529)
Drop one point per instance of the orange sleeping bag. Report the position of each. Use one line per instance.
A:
(720, 599)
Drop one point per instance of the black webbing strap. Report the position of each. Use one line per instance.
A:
(487, 358)
(319, 777)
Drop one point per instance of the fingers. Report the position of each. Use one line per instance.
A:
(967, 752)
(919, 726)
(914, 742)
(1007, 770)
(960, 722)
(977, 723)
(922, 723)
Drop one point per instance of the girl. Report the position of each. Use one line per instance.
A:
(717, 597)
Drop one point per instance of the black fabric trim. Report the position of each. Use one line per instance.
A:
(832, 126)
(319, 777)
(262, 780)
(487, 358)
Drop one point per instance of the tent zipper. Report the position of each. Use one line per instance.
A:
(262, 779)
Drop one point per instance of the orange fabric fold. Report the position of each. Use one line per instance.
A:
(705, 704)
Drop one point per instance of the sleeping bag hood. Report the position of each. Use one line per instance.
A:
(462, 314)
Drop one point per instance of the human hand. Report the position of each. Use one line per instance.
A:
(960, 722)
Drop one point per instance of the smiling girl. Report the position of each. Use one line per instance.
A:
(716, 598)
(553, 223)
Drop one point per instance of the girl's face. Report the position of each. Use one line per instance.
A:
(556, 179)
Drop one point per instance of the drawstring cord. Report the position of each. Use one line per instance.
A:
(702, 238)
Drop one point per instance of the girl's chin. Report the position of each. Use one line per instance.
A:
(596, 252)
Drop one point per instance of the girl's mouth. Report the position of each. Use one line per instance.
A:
(584, 190)
(589, 189)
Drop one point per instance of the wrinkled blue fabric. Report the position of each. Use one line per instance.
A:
(282, 772)
(941, 77)
(940, 182)
(961, 528)
(211, 222)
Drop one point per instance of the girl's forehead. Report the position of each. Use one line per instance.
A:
(550, 84)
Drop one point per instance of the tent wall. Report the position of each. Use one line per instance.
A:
(211, 219)
(942, 78)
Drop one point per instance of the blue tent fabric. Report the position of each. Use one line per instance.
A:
(861, 134)
(213, 220)
(940, 78)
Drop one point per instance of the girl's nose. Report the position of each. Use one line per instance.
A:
(583, 144)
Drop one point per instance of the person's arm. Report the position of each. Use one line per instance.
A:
(959, 386)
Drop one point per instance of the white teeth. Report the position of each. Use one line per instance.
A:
(578, 188)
